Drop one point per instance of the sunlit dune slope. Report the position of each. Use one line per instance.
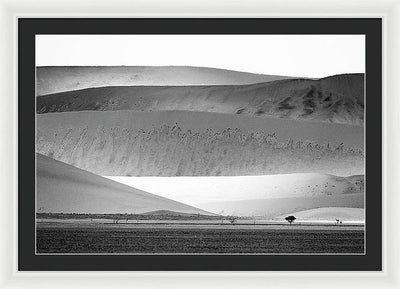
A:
(271, 208)
(268, 195)
(329, 213)
(337, 99)
(179, 143)
(62, 188)
(53, 79)
(194, 190)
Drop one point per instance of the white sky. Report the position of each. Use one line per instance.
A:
(291, 55)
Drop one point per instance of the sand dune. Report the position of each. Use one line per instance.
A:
(271, 208)
(53, 79)
(268, 196)
(194, 190)
(358, 181)
(128, 143)
(62, 188)
(338, 99)
(292, 142)
(329, 213)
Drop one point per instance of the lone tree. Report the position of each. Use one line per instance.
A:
(232, 219)
(290, 219)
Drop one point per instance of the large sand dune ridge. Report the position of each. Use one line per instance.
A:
(62, 188)
(338, 99)
(54, 79)
(127, 143)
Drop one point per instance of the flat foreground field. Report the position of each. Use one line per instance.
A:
(205, 239)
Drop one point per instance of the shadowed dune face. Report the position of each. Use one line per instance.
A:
(126, 143)
(54, 79)
(337, 99)
(62, 188)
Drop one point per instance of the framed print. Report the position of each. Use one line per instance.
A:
(223, 144)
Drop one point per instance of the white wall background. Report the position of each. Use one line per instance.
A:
(291, 55)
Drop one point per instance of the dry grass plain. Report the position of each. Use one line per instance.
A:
(210, 237)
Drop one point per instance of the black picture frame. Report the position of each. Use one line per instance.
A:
(29, 261)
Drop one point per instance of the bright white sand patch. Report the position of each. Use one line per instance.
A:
(265, 196)
(194, 190)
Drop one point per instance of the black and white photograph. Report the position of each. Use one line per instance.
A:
(200, 144)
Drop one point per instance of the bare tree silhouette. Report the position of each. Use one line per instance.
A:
(290, 219)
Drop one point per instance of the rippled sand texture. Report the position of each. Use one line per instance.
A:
(127, 143)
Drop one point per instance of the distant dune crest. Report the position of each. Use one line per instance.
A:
(54, 79)
(337, 99)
